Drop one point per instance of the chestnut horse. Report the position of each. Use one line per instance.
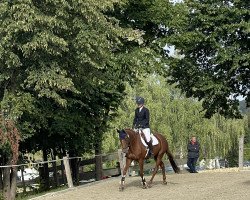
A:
(135, 150)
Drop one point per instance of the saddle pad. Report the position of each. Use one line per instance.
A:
(155, 140)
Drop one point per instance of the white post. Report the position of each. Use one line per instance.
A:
(68, 171)
(217, 163)
(241, 147)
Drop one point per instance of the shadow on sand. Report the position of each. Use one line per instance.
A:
(246, 182)
(136, 182)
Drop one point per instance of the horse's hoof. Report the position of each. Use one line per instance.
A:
(145, 186)
(121, 189)
(150, 184)
(165, 183)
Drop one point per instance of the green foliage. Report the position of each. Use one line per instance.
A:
(211, 55)
(247, 152)
(62, 70)
(178, 118)
(5, 149)
(213, 47)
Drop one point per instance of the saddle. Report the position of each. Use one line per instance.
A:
(144, 141)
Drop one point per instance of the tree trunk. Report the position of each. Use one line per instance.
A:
(10, 173)
(9, 183)
(23, 182)
(44, 172)
(13, 183)
(98, 162)
(77, 170)
(6, 183)
(53, 156)
(62, 166)
(63, 172)
(74, 165)
(1, 179)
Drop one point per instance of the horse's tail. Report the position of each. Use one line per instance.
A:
(172, 162)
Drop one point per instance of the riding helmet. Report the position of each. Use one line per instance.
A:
(139, 100)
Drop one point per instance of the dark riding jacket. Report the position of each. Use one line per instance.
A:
(141, 119)
(193, 149)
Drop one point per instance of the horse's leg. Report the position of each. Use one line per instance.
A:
(157, 164)
(144, 183)
(163, 172)
(124, 172)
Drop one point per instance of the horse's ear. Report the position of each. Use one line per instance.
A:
(122, 134)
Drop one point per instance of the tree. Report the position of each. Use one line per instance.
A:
(213, 45)
(210, 37)
(63, 62)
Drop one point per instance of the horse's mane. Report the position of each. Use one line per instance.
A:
(130, 131)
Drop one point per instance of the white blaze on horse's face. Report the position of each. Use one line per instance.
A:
(125, 143)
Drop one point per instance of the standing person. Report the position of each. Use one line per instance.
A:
(193, 154)
(141, 121)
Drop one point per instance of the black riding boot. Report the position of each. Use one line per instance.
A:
(150, 147)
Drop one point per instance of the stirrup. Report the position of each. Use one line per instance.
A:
(150, 154)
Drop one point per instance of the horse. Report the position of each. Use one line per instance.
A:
(135, 150)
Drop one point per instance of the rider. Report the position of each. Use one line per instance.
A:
(141, 120)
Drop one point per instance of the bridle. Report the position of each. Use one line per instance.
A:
(127, 142)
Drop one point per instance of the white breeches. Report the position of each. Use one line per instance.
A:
(146, 132)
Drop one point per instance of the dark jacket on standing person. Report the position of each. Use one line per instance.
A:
(141, 119)
(193, 149)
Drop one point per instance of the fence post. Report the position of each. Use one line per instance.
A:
(68, 171)
(241, 146)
